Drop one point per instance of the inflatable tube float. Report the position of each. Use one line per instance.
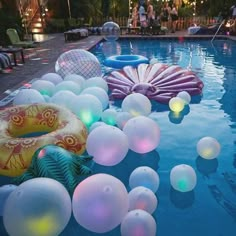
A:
(26, 128)
(158, 81)
(120, 61)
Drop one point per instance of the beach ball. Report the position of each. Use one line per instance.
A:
(5, 191)
(137, 105)
(76, 78)
(185, 96)
(68, 86)
(110, 31)
(88, 108)
(138, 222)
(122, 118)
(208, 148)
(97, 82)
(146, 177)
(142, 198)
(52, 77)
(28, 96)
(80, 62)
(143, 134)
(107, 144)
(176, 104)
(99, 93)
(44, 87)
(95, 125)
(40, 206)
(183, 178)
(109, 116)
(100, 202)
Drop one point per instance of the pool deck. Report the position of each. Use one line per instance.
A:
(42, 60)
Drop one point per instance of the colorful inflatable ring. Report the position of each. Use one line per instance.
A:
(120, 61)
(25, 128)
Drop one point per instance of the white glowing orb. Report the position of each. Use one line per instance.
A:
(185, 96)
(109, 116)
(68, 86)
(96, 82)
(176, 104)
(44, 87)
(52, 77)
(80, 80)
(28, 96)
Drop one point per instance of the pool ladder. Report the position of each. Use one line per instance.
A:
(217, 30)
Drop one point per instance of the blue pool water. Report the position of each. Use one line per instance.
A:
(210, 209)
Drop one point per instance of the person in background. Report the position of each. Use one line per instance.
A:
(135, 15)
(174, 18)
(165, 14)
(150, 13)
(143, 19)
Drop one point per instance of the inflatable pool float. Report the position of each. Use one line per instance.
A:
(120, 61)
(26, 128)
(159, 82)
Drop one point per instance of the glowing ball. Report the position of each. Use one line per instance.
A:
(146, 177)
(76, 78)
(110, 31)
(185, 96)
(176, 104)
(109, 116)
(142, 198)
(95, 125)
(28, 96)
(99, 93)
(40, 206)
(52, 77)
(183, 178)
(97, 82)
(208, 148)
(122, 118)
(100, 202)
(68, 86)
(63, 98)
(107, 144)
(137, 105)
(44, 87)
(143, 134)
(80, 62)
(153, 61)
(5, 191)
(138, 222)
(88, 108)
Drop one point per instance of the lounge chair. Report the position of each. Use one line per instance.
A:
(16, 42)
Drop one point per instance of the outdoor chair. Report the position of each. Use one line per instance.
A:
(16, 42)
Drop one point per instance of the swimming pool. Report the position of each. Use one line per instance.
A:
(210, 209)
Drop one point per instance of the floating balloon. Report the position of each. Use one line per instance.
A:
(97, 82)
(76, 78)
(176, 104)
(138, 222)
(208, 148)
(107, 144)
(52, 77)
(146, 177)
(39, 206)
(143, 134)
(68, 86)
(185, 96)
(109, 116)
(142, 198)
(183, 178)
(100, 202)
(44, 87)
(80, 62)
(28, 96)
(137, 105)
(110, 31)
(122, 118)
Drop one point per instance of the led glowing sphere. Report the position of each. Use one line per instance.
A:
(110, 31)
(146, 177)
(52, 77)
(185, 96)
(137, 105)
(88, 108)
(109, 116)
(143, 134)
(208, 148)
(68, 86)
(80, 62)
(40, 206)
(108, 145)
(97, 82)
(176, 104)
(28, 96)
(142, 198)
(99, 93)
(122, 118)
(44, 87)
(76, 78)
(5, 191)
(183, 178)
(138, 222)
(100, 202)
(95, 125)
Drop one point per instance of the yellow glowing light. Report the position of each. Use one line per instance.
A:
(176, 104)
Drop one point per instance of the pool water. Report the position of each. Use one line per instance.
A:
(210, 209)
